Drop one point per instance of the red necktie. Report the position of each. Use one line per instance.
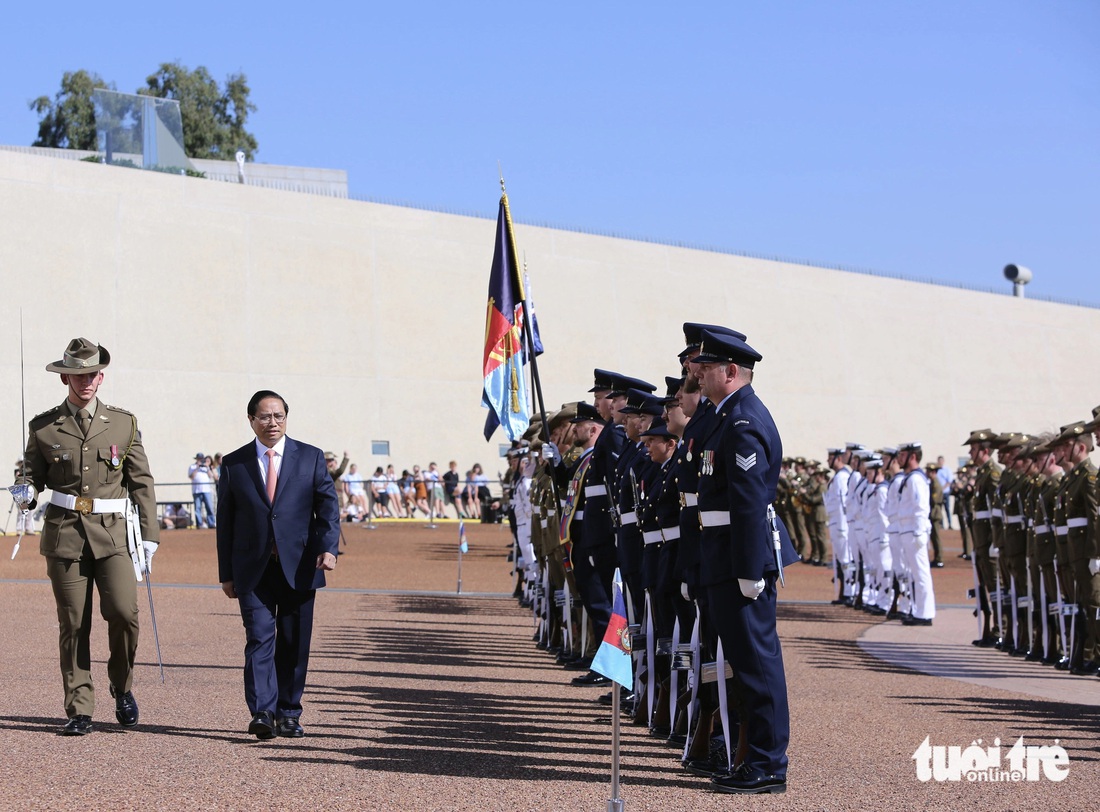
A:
(272, 475)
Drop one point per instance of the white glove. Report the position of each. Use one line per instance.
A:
(994, 552)
(751, 589)
(550, 452)
(150, 548)
(1094, 566)
(685, 590)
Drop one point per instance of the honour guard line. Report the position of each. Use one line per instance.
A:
(670, 495)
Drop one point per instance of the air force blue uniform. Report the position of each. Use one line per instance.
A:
(739, 470)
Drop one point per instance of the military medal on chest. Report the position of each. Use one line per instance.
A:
(707, 466)
(690, 443)
(114, 456)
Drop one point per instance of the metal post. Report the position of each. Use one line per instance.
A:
(615, 803)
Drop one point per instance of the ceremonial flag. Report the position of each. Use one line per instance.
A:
(505, 391)
(536, 339)
(462, 546)
(612, 659)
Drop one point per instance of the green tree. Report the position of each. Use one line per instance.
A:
(213, 120)
(68, 120)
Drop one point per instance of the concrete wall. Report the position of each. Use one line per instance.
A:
(370, 320)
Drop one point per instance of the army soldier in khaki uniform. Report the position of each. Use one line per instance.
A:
(90, 455)
(819, 519)
(1091, 552)
(935, 512)
(987, 475)
(1044, 587)
(1074, 508)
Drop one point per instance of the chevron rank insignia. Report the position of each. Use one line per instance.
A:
(745, 463)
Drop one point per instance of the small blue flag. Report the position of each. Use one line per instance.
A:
(462, 546)
(612, 659)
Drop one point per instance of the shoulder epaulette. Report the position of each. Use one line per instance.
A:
(48, 411)
(117, 409)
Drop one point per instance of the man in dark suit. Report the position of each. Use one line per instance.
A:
(743, 548)
(278, 532)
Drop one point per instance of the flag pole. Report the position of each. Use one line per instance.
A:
(615, 803)
(527, 326)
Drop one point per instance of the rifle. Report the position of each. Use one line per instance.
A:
(1000, 607)
(1057, 581)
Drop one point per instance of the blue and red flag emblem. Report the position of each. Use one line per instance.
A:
(613, 656)
(505, 391)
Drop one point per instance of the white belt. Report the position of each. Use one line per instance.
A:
(652, 537)
(578, 515)
(1013, 519)
(997, 513)
(671, 533)
(1040, 529)
(689, 499)
(982, 514)
(84, 505)
(714, 518)
(1061, 530)
(595, 490)
(1079, 521)
(628, 518)
(664, 534)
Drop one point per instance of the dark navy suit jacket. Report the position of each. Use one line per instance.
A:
(739, 474)
(303, 523)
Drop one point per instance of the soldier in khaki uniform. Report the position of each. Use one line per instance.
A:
(819, 519)
(935, 513)
(1091, 551)
(987, 475)
(1013, 559)
(90, 455)
(1074, 510)
(1044, 587)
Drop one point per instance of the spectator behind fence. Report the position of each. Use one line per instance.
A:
(450, 486)
(202, 478)
(408, 492)
(393, 493)
(356, 492)
(379, 495)
(471, 504)
(435, 489)
(420, 489)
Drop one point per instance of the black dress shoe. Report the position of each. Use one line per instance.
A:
(126, 709)
(1086, 669)
(289, 728)
(707, 767)
(79, 725)
(747, 781)
(937, 564)
(986, 641)
(580, 664)
(262, 725)
(1033, 656)
(591, 678)
(965, 556)
(917, 621)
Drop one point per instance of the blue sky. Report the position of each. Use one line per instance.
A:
(938, 140)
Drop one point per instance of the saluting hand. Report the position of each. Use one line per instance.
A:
(326, 561)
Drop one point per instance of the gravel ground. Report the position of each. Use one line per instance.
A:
(420, 698)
